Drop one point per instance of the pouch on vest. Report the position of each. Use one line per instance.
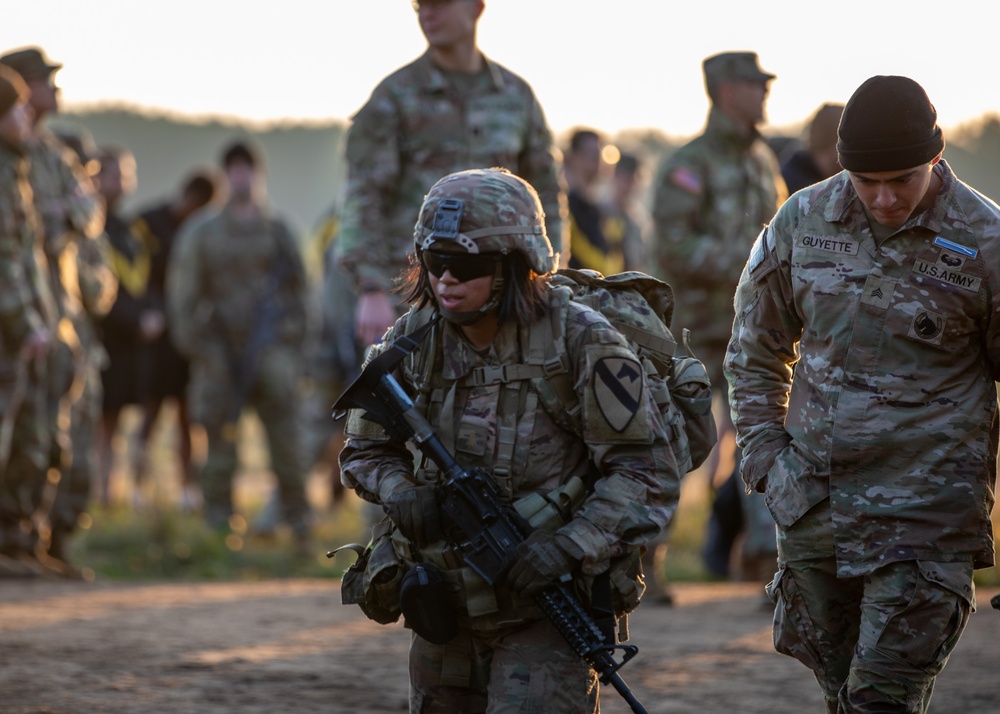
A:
(373, 580)
(427, 604)
(691, 390)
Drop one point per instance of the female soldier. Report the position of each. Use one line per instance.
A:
(596, 493)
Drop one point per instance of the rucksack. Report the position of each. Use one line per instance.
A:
(641, 308)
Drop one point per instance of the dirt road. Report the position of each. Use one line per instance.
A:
(290, 646)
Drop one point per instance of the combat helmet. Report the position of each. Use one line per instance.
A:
(485, 211)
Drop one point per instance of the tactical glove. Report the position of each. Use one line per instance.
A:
(756, 464)
(540, 561)
(415, 512)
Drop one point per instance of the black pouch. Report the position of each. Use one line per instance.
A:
(427, 604)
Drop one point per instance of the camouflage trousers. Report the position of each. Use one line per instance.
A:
(532, 671)
(215, 403)
(81, 472)
(876, 642)
(27, 436)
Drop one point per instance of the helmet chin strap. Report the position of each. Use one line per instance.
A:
(469, 317)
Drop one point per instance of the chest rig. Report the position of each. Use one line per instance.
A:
(536, 378)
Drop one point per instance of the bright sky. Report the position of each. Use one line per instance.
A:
(609, 65)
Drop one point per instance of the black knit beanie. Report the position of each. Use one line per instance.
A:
(889, 124)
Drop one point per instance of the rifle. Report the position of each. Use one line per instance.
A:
(484, 529)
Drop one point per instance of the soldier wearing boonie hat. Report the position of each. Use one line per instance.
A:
(73, 219)
(30, 62)
(879, 289)
(26, 328)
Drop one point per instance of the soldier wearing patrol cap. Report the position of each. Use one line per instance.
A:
(483, 255)
(711, 198)
(862, 373)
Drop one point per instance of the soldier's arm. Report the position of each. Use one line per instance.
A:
(186, 312)
(84, 208)
(373, 170)
(537, 165)
(18, 316)
(682, 245)
(764, 345)
(299, 323)
(98, 282)
(636, 492)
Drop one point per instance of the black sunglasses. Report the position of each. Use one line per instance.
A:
(463, 267)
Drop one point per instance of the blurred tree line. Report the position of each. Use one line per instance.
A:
(306, 169)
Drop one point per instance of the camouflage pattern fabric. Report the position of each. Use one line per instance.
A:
(84, 286)
(892, 346)
(531, 670)
(501, 213)
(217, 271)
(26, 306)
(710, 200)
(628, 500)
(418, 127)
(912, 614)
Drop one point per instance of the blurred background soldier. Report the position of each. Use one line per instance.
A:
(449, 110)
(83, 286)
(626, 221)
(817, 160)
(134, 320)
(238, 302)
(711, 199)
(336, 355)
(589, 246)
(157, 227)
(28, 318)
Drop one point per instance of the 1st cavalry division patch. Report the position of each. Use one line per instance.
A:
(617, 385)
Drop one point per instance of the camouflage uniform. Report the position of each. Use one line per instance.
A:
(84, 285)
(892, 343)
(26, 306)
(418, 126)
(711, 198)
(218, 277)
(616, 481)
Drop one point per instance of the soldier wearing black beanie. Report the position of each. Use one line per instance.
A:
(889, 124)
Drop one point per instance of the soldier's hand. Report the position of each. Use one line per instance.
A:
(415, 512)
(756, 464)
(375, 314)
(540, 561)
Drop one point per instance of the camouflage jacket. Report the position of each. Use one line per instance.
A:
(216, 278)
(629, 481)
(26, 302)
(878, 359)
(77, 252)
(710, 200)
(416, 128)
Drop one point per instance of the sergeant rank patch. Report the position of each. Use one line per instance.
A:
(617, 385)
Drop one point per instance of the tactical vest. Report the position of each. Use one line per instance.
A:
(638, 306)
